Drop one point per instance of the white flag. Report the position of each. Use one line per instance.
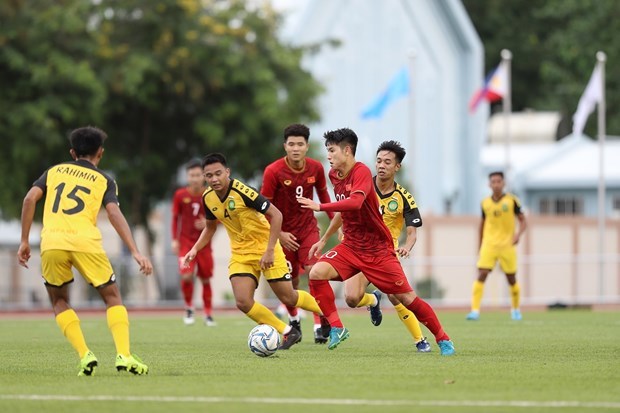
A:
(591, 96)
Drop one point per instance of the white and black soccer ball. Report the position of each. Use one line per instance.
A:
(264, 340)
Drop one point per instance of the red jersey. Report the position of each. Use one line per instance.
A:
(282, 185)
(364, 230)
(186, 209)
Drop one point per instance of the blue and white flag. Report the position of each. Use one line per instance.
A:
(398, 87)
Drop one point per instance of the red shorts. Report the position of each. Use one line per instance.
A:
(202, 265)
(297, 260)
(383, 269)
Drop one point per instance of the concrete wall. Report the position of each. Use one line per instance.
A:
(558, 261)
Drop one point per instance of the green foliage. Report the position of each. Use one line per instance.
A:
(48, 85)
(167, 80)
(554, 43)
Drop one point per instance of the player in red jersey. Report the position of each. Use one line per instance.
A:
(285, 180)
(367, 246)
(188, 221)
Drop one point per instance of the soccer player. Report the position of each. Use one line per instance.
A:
(397, 207)
(74, 192)
(188, 221)
(367, 246)
(498, 241)
(254, 244)
(284, 181)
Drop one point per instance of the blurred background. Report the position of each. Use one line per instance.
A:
(171, 80)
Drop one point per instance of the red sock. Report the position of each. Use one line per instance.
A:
(292, 311)
(187, 287)
(324, 295)
(425, 315)
(206, 297)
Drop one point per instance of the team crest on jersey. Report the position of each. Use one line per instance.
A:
(187, 200)
(347, 187)
(231, 204)
(311, 179)
(288, 182)
(393, 205)
(504, 207)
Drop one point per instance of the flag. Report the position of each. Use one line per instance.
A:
(495, 87)
(591, 96)
(398, 87)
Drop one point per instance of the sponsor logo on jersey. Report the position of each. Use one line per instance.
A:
(214, 209)
(311, 179)
(399, 283)
(288, 182)
(231, 204)
(393, 205)
(264, 206)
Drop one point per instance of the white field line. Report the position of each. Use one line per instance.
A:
(326, 402)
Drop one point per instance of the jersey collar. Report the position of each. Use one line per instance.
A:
(378, 191)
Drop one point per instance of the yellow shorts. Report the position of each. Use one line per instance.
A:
(507, 258)
(94, 267)
(241, 264)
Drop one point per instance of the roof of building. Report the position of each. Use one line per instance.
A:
(571, 163)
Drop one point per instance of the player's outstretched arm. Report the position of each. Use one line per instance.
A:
(205, 237)
(118, 221)
(28, 208)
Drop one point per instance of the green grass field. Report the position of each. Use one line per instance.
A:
(565, 361)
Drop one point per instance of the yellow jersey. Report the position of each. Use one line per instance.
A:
(499, 220)
(397, 208)
(74, 192)
(242, 212)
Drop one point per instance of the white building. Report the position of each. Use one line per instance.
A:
(436, 40)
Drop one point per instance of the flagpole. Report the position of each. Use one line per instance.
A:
(601, 59)
(507, 109)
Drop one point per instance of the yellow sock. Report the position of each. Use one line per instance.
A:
(69, 324)
(476, 296)
(410, 321)
(515, 295)
(307, 302)
(262, 315)
(367, 300)
(118, 323)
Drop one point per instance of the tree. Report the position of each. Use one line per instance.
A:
(167, 80)
(47, 87)
(185, 80)
(553, 43)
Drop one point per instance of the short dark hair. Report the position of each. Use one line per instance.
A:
(395, 147)
(496, 173)
(87, 140)
(194, 163)
(297, 129)
(214, 158)
(341, 137)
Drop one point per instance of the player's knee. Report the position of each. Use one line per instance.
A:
(244, 304)
(352, 301)
(289, 299)
(393, 299)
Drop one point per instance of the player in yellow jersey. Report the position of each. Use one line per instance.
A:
(254, 244)
(498, 240)
(74, 192)
(398, 208)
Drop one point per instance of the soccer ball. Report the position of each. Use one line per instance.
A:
(264, 340)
